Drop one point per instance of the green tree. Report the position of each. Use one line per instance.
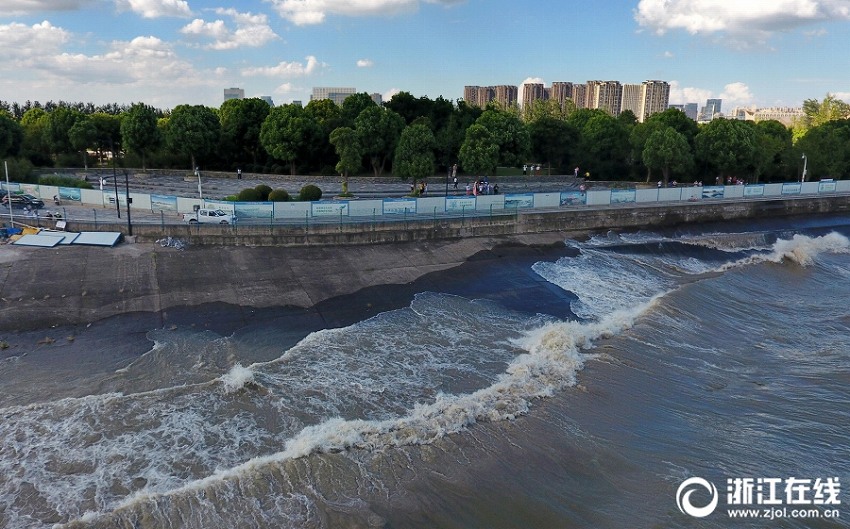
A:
(827, 149)
(193, 130)
(353, 105)
(83, 136)
(287, 134)
(551, 141)
(637, 139)
(667, 149)
(327, 116)
(347, 144)
(139, 131)
(816, 113)
(479, 152)
(545, 109)
(604, 147)
(775, 151)
(11, 136)
(726, 147)
(378, 131)
(510, 134)
(107, 132)
(414, 156)
(34, 146)
(59, 123)
(241, 120)
(450, 138)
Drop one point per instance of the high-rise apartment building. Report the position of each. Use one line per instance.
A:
(506, 95)
(606, 95)
(532, 92)
(337, 95)
(656, 97)
(580, 95)
(561, 92)
(478, 96)
(633, 99)
(234, 93)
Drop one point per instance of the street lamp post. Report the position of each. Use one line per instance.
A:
(805, 163)
(114, 178)
(129, 201)
(198, 174)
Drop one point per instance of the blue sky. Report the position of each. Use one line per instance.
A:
(170, 52)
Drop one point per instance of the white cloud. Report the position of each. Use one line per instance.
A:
(365, 63)
(386, 96)
(745, 21)
(22, 44)
(681, 95)
(668, 55)
(286, 69)
(737, 94)
(22, 7)
(305, 12)
(156, 8)
(816, 33)
(734, 94)
(285, 89)
(251, 30)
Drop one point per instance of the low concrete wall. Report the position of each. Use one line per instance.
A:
(522, 222)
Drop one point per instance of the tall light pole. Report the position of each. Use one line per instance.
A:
(200, 192)
(115, 177)
(129, 201)
(805, 163)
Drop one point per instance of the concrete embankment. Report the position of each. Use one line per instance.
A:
(279, 266)
(41, 288)
(581, 219)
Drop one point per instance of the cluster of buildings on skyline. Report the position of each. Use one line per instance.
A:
(614, 97)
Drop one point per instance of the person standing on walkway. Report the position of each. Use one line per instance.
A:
(239, 174)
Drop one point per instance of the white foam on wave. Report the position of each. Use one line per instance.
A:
(799, 249)
(554, 353)
(237, 378)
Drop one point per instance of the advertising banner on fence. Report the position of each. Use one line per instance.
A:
(792, 189)
(713, 191)
(69, 193)
(756, 190)
(620, 196)
(826, 186)
(253, 210)
(460, 203)
(519, 200)
(573, 198)
(223, 205)
(163, 203)
(324, 208)
(399, 206)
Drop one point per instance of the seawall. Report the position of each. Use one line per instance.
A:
(264, 267)
(522, 222)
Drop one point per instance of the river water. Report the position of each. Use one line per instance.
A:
(580, 389)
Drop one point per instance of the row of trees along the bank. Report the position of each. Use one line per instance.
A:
(419, 137)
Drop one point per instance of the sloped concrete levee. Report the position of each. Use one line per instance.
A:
(582, 219)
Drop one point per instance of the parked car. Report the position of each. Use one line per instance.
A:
(22, 200)
(210, 216)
